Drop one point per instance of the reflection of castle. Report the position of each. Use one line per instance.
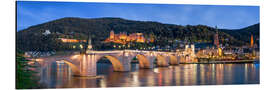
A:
(123, 38)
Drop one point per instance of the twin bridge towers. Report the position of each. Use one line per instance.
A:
(86, 64)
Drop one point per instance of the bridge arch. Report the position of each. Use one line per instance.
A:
(75, 70)
(161, 60)
(117, 65)
(143, 61)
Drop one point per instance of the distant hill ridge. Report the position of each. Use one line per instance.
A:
(99, 28)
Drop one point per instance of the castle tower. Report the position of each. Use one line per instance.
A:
(112, 35)
(216, 40)
(251, 42)
(186, 47)
(192, 46)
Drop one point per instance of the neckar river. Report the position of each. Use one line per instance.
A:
(60, 76)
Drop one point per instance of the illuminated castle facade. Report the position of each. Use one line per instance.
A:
(123, 38)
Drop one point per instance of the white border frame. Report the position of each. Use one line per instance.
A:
(8, 31)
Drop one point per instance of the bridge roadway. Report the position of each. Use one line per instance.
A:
(85, 64)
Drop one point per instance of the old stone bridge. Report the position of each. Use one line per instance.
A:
(85, 64)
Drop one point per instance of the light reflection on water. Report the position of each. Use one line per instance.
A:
(60, 76)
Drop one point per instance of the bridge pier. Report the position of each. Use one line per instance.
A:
(174, 59)
(150, 62)
(167, 60)
(162, 60)
(125, 61)
(178, 59)
(88, 65)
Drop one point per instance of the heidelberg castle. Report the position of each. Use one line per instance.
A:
(123, 38)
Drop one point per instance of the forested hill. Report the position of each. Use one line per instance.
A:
(99, 29)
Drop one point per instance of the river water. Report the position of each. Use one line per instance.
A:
(60, 76)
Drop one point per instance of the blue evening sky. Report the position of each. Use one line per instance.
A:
(229, 17)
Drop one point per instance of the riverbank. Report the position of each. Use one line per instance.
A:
(225, 62)
(210, 62)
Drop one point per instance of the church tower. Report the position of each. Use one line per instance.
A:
(89, 47)
(251, 41)
(216, 40)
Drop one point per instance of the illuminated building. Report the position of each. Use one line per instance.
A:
(140, 38)
(211, 52)
(151, 39)
(47, 32)
(123, 38)
(251, 42)
(219, 52)
(112, 35)
(66, 40)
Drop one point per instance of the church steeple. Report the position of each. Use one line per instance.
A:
(251, 41)
(216, 39)
(89, 47)
(216, 29)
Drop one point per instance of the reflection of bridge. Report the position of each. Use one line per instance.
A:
(85, 64)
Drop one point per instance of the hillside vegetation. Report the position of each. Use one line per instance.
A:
(99, 29)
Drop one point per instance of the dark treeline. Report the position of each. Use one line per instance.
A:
(25, 77)
(99, 29)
